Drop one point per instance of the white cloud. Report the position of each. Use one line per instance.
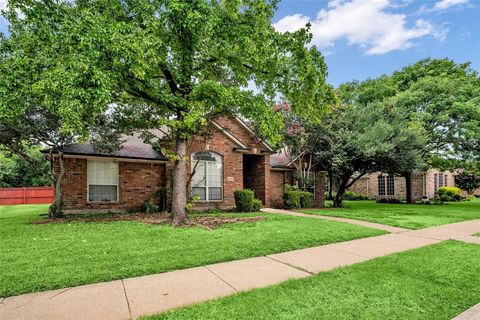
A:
(3, 4)
(445, 4)
(365, 23)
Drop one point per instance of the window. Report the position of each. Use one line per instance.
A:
(381, 185)
(102, 177)
(207, 181)
(390, 185)
(439, 180)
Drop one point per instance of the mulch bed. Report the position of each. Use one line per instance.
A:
(206, 222)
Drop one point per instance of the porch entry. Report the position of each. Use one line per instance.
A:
(254, 175)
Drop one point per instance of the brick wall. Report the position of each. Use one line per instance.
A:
(278, 180)
(137, 182)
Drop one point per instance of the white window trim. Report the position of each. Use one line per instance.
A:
(207, 185)
(387, 184)
(118, 183)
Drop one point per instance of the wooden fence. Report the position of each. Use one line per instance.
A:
(26, 195)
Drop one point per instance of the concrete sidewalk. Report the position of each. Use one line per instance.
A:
(134, 297)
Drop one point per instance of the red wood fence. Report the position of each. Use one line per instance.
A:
(27, 195)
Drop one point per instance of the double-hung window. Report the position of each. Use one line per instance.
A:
(386, 185)
(390, 185)
(207, 180)
(102, 181)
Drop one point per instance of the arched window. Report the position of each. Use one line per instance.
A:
(207, 180)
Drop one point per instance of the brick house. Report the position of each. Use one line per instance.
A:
(425, 184)
(231, 158)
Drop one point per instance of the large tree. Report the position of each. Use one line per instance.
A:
(354, 140)
(444, 97)
(176, 63)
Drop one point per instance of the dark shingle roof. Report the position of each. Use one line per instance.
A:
(132, 148)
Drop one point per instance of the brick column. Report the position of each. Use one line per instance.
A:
(319, 200)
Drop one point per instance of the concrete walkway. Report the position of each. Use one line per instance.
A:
(135, 297)
(346, 220)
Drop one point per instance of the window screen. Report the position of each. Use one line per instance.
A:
(102, 181)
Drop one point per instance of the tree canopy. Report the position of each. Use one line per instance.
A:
(165, 62)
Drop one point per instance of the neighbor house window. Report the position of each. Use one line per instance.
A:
(102, 180)
(390, 185)
(439, 180)
(381, 185)
(207, 180)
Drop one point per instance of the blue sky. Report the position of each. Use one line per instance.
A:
(366, 38)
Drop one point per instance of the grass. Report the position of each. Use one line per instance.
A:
(435, 282)
(37, 257)
(406, 215)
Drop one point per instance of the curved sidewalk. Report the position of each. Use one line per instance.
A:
(135, 297)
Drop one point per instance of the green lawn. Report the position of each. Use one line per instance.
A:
(405, 215)
(37, 257)
(435, 282)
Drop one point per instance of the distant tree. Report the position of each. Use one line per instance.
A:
(444, 97)
(174, 63)
(468, 181)
(355, 140)
(15, 171)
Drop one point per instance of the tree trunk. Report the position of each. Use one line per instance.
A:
(338, 200)
(55, 209)
(410, 198)
(179, 199)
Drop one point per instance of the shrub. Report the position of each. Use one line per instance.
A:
(293, 198)
(245, 201)
(388, 200)
(257, 204)
(306, 199)
(161, 194)
(449, 194)
(352, 196)
(149, 206)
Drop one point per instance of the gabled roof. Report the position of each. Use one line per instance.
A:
(132, 148)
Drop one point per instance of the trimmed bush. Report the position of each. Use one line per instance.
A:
(245, 201)
(293, 198)
(257, 204)
(306, 200)
(388, 200)
(352, 196)
(449, 194)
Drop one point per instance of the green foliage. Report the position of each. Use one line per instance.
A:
(149, 206)
(389, 200)
(245, 201)
(17, 172)
(293, 198)
(161, 194)
(352, 196)
(468, 181)
(256, 205)
(449, 194)
(306, 199)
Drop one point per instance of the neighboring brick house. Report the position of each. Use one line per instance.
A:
(425, 184)
(231, 158)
